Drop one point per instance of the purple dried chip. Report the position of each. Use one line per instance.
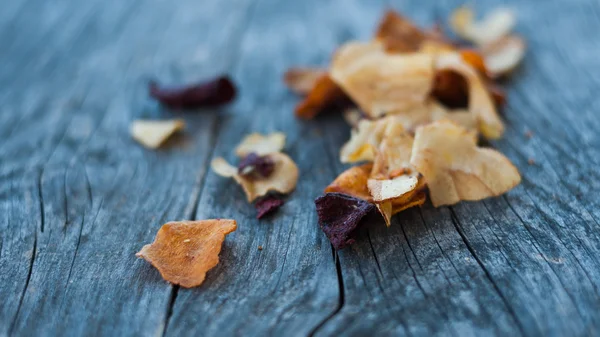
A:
(340, 217)
(267, 205)
(256, 166)
(211, 93)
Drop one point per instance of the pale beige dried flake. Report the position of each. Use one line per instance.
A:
(388, 189)
(302, 80)
(364, 141)
(184, 251)
(394, 151)
(481, 105)
(283, 179)
(261, 144)
(495, 25)
(380, 82)
(455, 169)
(503, 55)
(153, 133)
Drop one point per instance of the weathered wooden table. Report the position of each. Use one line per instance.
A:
(78, 197)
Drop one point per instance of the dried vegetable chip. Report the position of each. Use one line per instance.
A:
(456, 169)
(303, 80)
(323, 95)
(352, 116)
(353, 182)
(206, 94)
(255, 165)
(388, 189)
(400, 35)
(267, 205)
(340, 217)
(282, 180)
(260, 144)
(153, 133)
(492, 27)
(380, 82)
(503, 55)
(184, 251)
(480, 102)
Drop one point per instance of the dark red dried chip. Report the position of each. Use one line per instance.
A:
(256, 166)
(340, 217)
(211, 93)
(267, 205)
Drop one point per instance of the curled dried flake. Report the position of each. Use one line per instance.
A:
(184, 251)
(152, 134)
(323, 95)
(393, 153)
(379, 82)
(384, 190)
(302, 80)
(283, 179)
(260, 144)
(340, 217)
(493, 26)
(480, 101)
(257, 166)
(267, 205)
(353, 182)
(503, 55)
(223, 168)
(217, 91)
(363, 142)
(352, 116)
(456, 169)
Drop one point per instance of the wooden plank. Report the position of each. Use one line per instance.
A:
(475, 276)
(100, 195)
(290, 286)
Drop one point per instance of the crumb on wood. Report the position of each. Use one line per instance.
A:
(530, 161)
(528, 134)
(260, 247)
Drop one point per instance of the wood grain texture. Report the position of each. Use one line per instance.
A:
(78, 197)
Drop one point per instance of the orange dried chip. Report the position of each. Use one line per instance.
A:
(302, 80)
(184, 251)
(475, 59)
(417, 199)
(353, 182)
(325, 93)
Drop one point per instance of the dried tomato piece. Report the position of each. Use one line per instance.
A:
(340, 217)
(217, 91)
(267, 205)
(253, 165)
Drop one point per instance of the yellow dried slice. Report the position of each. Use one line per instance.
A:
(302, 80)
(380, 82)
(481, 104)
(493, 26)
(455, 169)
(363, 142)
(261, 144)
(283, 179)
(184, 251)
(503, 55)
(153, 133)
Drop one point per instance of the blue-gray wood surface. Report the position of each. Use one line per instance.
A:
(78, 197)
